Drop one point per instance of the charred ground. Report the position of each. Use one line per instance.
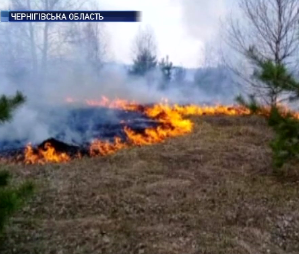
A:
(210, 191)
(74, 128)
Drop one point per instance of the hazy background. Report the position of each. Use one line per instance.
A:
(182, 27)
(50, 62)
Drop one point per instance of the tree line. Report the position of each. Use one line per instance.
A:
(46, 48)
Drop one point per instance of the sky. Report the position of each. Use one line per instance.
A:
(182, 27)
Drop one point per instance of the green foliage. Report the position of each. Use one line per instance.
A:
(285, 144)
(144, 62)
(166, 68)
(8, 105)
(278, 77)
(4, 177)
(11, 198)
(273, 76)
(251, 104)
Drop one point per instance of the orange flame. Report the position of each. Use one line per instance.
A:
(171, 123)
(43, 156)
(103, 148)
(116, 103)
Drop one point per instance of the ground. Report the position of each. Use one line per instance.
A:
(211, 191)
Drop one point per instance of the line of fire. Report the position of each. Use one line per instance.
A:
(154, 124)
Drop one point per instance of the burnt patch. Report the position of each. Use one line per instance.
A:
(72, 130)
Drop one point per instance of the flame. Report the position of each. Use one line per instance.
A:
(103, 148)
(172, 124)
(211, 110)
(116, 103)
(69, 100)
(43, 156)
(169, 117)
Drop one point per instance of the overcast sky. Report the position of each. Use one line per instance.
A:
(182, 27)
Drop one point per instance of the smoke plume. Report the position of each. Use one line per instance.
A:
(75, 69)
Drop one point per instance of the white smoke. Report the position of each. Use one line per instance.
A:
(46, 107)
(70, 76)
(201, 19)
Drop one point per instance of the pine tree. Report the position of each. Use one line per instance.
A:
(11, 197)
(144, 53)
(8, 105)
(166, 68)
(272, 26)
(285, 145)
(144, 62)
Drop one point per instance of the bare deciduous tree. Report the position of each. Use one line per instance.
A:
(269, 28)
(40, 39)
(144, 52)
(88, 39)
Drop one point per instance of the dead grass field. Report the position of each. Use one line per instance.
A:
(207, 192)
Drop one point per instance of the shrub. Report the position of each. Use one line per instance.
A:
(285, 145)
(12, 198)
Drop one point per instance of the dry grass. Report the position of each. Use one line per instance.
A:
(207, 192)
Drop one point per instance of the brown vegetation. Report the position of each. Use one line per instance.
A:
(211, 191)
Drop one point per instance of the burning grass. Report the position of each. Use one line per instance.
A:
(170, 118)
(171, 123)
(210, 191)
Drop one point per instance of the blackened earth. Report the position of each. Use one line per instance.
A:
(73, 129)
